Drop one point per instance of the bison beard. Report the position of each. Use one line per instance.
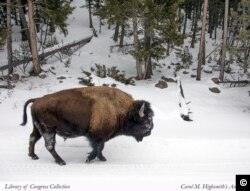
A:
(99, 113)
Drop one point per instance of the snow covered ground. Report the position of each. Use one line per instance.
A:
(210, 150)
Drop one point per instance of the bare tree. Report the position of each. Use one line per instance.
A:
(35, 60)
(201, 56)
(223, 54)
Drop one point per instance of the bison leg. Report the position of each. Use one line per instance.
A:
(100, 156)
(50, 145)
(34, 137)
(97, 146)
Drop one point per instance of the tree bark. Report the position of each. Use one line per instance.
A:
(32, 30)
(223, 54)
(201, 56)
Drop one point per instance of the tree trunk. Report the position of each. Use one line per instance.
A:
(245, 43)
(210, 23)
(9, 36)
(147, 45)
(116, 34)
(25, 32)
(52, 27)
(37, 20)
(215, 20)
(223, 54)
(35, 60)
(122, 35)
(168, 46)
(136, 44)
(90, 14)
(195, 26)
(185, 23)
(15, 15)
(201, 56)
(179, 19)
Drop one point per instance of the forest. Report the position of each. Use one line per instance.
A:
(157, 28)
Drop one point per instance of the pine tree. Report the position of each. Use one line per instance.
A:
(240, 34)
(156, 18)
(116, 12)
(157, 34)
(55, 13)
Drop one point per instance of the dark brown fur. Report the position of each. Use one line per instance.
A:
(99, 113)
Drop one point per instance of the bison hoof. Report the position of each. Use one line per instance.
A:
(34, 156)
(102, 158)
(61, 163)
(87, 160)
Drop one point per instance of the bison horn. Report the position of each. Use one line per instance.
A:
(141, 112)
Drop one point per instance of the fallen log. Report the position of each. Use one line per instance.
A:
(244, 82)
(7, 86)
(48, 53)
(238, 81)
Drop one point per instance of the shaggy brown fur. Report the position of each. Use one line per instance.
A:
(99, 113)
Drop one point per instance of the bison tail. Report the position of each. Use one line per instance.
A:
(24, 111)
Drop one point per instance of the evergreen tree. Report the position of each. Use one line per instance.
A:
(240, 33)
(159, 24)
(3, 23)
(55, 13)
(116, 12)
(160, 27)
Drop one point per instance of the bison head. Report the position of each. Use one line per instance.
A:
(140, 120)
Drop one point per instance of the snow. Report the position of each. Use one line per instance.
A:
(211, 149)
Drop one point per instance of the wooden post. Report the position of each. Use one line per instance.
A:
(223, 54)
(35, 60)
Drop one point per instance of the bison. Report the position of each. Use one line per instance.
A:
(99, 113)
